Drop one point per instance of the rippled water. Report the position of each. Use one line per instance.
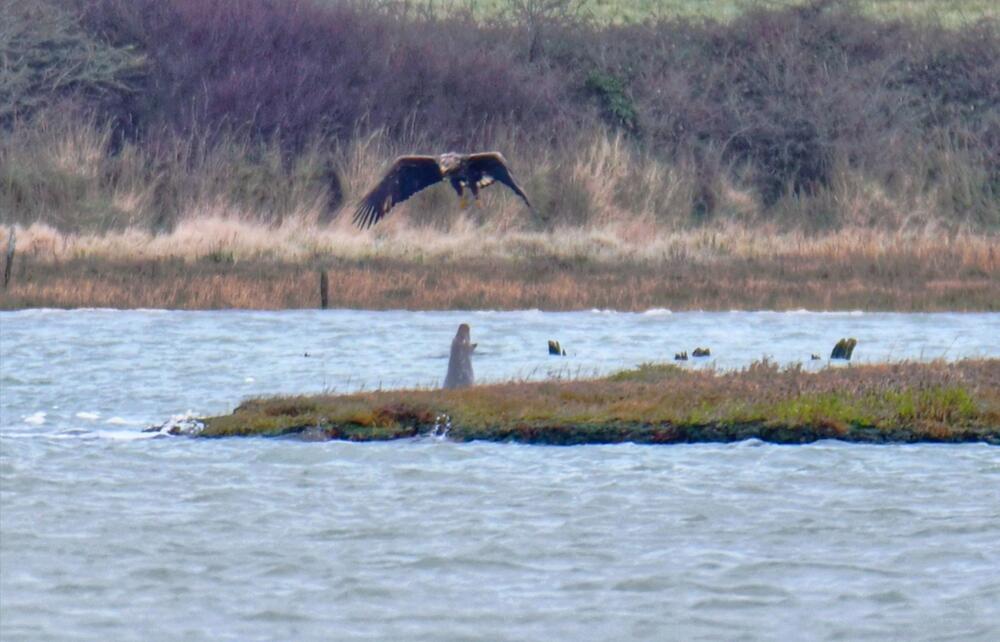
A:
(106, 535)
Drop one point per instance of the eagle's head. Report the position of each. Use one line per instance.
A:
(449, 162)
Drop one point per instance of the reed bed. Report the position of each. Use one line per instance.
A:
(239, 265)
(57, 173)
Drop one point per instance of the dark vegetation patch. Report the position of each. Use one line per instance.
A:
(900, 402)
(50, 58)
(780, 100)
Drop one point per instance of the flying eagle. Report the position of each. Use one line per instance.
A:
(410, 174)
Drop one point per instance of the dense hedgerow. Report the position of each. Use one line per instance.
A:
(786, 102)
(296, 69)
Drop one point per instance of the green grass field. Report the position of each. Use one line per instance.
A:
(948, 12)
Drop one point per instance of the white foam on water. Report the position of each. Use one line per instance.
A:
(524, 312)
(121, 421)
(657, 312)
(186, 423)
(88, 415)
(36, 419)
(37, 312)
(442, 424)
(249, 380)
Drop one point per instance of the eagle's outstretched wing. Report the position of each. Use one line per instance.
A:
(494, 166)
(407, 176)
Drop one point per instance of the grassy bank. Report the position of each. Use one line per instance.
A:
(206, 153)
(902, 402)
(227, 264)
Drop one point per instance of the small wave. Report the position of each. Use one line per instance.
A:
(125, 435)
(817, 312)
(36, 312)
(847, 313)
(491, 312)
(36, 419)
(120, 421)
(49, 312)
(839, 313)
(113, 435)
(32, 313)
(88, 415)
(249, 380)
(657, 312)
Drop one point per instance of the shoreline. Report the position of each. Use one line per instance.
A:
(644, 434)
(907, 402)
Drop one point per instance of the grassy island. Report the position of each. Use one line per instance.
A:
(659, 403)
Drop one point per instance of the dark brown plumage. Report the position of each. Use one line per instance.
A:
(410, 174)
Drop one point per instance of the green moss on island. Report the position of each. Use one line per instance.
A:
(654, 403)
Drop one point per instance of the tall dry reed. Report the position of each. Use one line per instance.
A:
(57, 172)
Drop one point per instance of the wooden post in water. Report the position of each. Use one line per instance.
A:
(9, 262)
(324, 290)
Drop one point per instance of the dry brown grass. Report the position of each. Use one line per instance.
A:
(224, 263)
(298, 240)
(56, 172)
(611, 228)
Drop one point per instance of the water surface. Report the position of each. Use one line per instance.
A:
(141, 366)
(107, 534)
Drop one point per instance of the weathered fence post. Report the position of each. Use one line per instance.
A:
(324, 288)
(9, 262)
